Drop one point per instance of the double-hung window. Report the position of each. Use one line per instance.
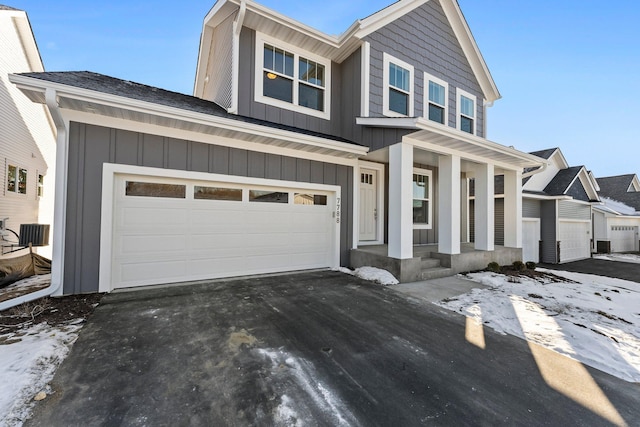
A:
(436, 95)
(290, 79)
(16, 179)
(466, 112)
(422, 191)
(398, 87)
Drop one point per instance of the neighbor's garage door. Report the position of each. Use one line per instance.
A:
(623, 238)
(575, 241)
(170, 230)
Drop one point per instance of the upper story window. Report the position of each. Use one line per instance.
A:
(466, 112)
(398, 87)
(16, 179)
(290, 79)
(437, 99)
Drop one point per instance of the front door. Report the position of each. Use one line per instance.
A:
(368, 205)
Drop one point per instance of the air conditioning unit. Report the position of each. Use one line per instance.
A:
(36, 234)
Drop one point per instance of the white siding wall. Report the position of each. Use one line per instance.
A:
(27, 137)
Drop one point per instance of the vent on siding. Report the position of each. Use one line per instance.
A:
(220, 70)
(36, 234)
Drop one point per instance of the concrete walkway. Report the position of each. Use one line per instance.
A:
(438, 289)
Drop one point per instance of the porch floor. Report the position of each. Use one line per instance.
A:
(420, 251)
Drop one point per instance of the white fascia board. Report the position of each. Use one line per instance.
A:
(470, 49)
(427, 124)
(394, 122)
(116, 101)
(583, 176)
(542, 197)
(203, 58)
(635, 182)
(386, 16)
(562, 161)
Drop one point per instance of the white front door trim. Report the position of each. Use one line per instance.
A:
(379, 168)
(108, 205)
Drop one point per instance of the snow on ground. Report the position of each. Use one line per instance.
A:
(595, 320)
(371, 273)
(619, 257)
(28, 365)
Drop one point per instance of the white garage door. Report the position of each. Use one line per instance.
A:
(168, 231)
(623, 238)
(575, 241)
(530, 239)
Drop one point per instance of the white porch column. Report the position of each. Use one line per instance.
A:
(400, 201)
(449, 204)
(513, 209)
(484, 207)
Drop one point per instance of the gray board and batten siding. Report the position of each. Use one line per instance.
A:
(548, 223)
(91, 146)
(530, 208)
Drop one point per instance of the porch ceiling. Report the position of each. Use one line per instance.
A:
(438, 139)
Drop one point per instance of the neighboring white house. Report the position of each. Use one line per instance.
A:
(27, 134)
(617, 221)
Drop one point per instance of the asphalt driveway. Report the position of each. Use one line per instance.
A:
(601, 267)
(320, 348)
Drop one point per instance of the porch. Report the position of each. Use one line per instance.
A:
(427, 263)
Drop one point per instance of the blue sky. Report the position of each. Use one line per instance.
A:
(568, 71)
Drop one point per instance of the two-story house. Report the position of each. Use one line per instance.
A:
(27, 137)
(299, 150)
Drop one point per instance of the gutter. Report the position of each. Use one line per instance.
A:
(59, 216)
(536, 171)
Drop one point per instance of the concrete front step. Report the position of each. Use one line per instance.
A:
(436, 273)
(426, 263)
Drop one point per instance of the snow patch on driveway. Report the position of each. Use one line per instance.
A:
(619, 257)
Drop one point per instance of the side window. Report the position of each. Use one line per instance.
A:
(290, 79)
(40, 186)
(422, 191)
(466, 117)
(16, 179)
(436, 99)
(398, 87)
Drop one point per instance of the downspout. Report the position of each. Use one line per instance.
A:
(235, 72)
(59, 211)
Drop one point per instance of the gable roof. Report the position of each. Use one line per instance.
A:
(545, 154)
(3, 7)
(99, 94)
(617, 188)
(561, 182)
(338, 48)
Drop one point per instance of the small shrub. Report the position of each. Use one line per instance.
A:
(494, 267)
(518, 265)
(530, 265)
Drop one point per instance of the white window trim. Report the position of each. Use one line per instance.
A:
(261, 40)
(388, 59)
(18, 167)
(427, 78)
(429, 173)
(459, 94)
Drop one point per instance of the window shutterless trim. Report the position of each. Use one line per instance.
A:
(459, 94)
(428, 173)
(261, 40)
(387, 60)
(430, 78)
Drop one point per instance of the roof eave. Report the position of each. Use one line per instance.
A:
(27, 84)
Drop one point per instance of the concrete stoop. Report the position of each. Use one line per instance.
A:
(431, 265)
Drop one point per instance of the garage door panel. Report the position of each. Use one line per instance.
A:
(575, 240)
(152, 271)
(623, 238)
(130, 244)
(159, 240)
(150, 217)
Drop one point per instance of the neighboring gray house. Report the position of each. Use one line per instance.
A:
(557, 211)
(299, 150)
(617, 221)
